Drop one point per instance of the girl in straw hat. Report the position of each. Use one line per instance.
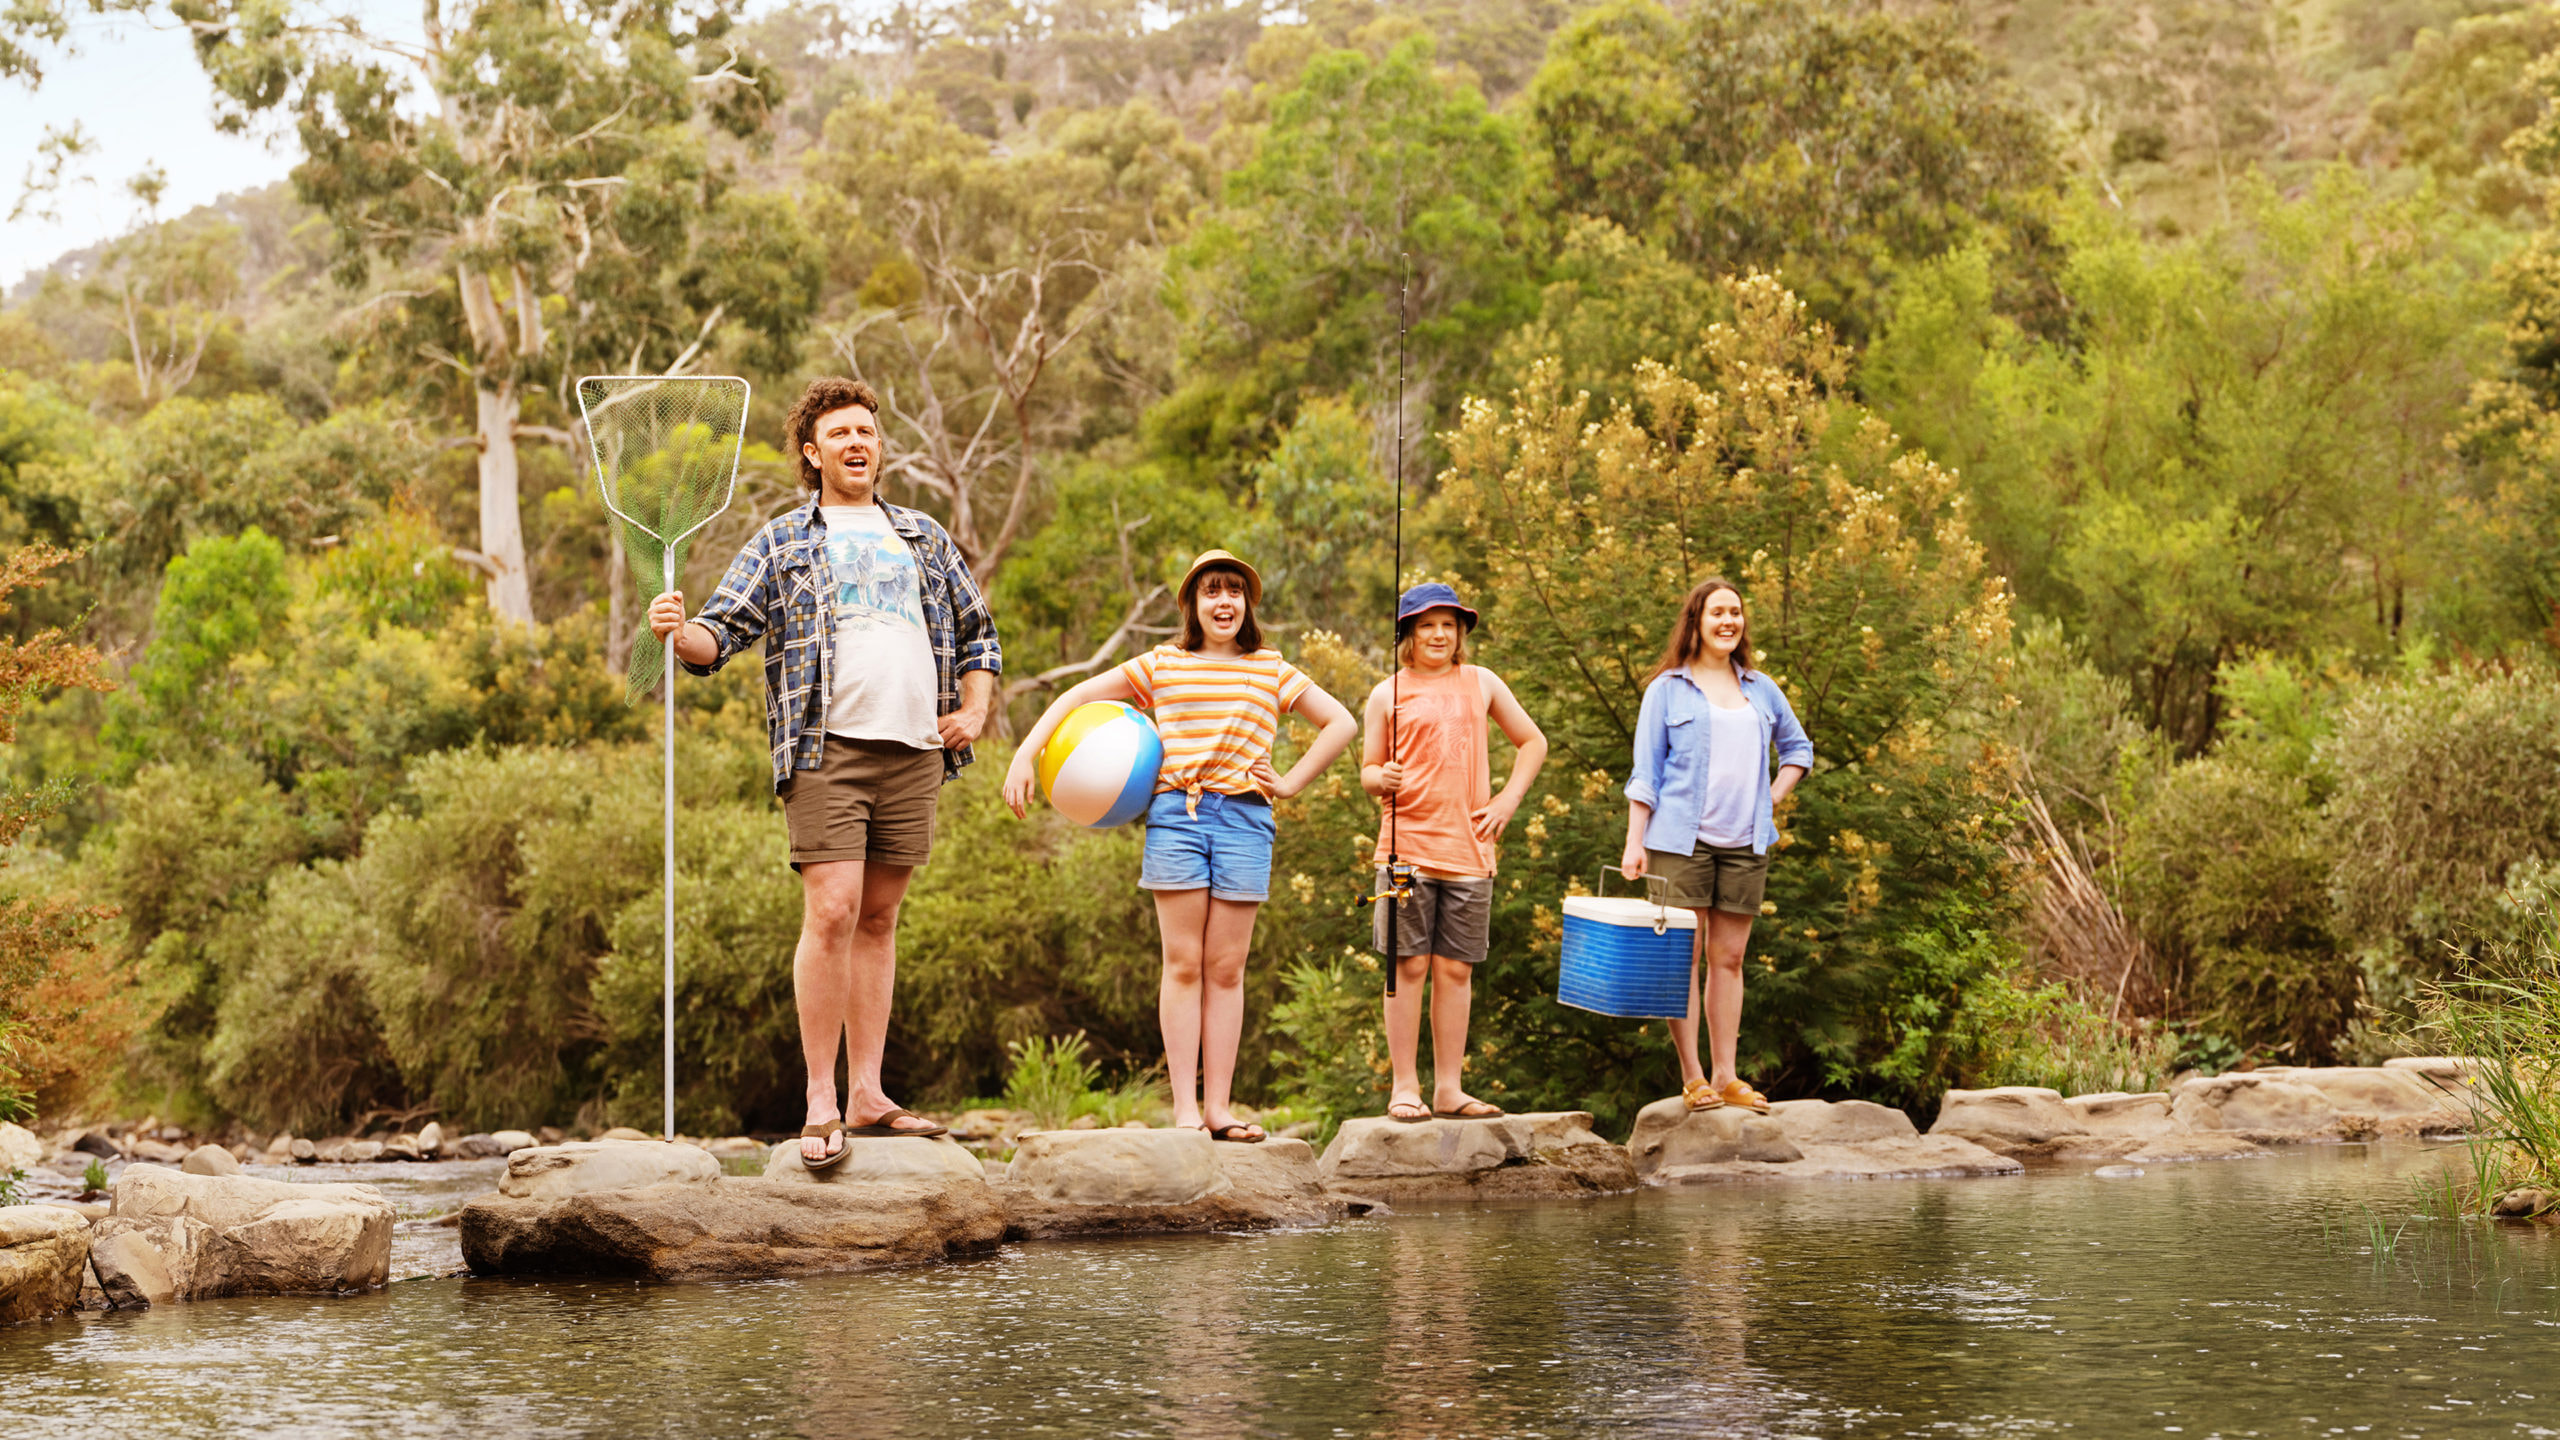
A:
(1217, 698)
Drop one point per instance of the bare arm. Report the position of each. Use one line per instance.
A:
(1336, 736)
(1639, 815)
(1531, 743)
(977, 699)
(1020, 778)
(1785, 784)
(1380, 774)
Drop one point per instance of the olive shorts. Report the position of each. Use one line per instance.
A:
(1711, 877)
(867, 800)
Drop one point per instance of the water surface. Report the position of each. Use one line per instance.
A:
(2230, 1298)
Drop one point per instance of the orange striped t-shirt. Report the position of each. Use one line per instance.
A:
(1217, 715)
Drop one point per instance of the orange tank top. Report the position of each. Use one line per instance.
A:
(1439, 737)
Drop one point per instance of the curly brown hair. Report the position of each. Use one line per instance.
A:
(825, 396)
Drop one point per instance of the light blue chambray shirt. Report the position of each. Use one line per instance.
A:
(1671, 756)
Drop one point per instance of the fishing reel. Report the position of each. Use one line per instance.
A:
(1396, 879)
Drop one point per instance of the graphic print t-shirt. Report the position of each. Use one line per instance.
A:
(883, 682)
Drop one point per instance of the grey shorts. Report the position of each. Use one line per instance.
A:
(1441, 917)
(867, 800)
(1711, 877)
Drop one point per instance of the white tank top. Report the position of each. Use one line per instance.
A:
(1736, 759)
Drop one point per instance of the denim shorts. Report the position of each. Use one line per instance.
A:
(1225, 849)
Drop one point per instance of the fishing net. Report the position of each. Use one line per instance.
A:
(666, 451)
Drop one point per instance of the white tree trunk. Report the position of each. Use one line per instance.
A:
(501, 522)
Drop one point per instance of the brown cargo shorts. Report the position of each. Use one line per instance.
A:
(867, 800)
(1711, 877)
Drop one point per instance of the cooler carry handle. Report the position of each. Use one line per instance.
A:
(1653, 891)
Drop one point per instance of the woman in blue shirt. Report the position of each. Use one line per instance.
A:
(1699, 805)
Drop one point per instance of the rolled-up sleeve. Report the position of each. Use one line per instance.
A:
(973, 625)
(738, 613)
(1644, 779)
(1788, 732)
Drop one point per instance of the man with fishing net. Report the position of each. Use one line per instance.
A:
(880, 669)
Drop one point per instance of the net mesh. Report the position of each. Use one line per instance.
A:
(666, 453)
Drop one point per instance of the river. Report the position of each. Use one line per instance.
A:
(2216, 1299)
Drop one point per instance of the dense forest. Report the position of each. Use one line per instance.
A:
(2137, 425)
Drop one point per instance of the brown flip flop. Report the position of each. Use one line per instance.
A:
(821, 1132)
(1472, 1110)
(887, 1124)
(1235, 1133)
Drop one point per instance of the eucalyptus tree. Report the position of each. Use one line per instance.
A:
(528, 188)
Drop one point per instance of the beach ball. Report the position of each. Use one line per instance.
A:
(1099, 769)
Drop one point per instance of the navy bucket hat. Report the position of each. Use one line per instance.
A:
(1431, 595)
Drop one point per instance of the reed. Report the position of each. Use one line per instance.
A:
(2503, 1013)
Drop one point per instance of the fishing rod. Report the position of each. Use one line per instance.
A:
(1398, 881)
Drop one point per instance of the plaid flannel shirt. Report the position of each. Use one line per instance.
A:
(778, 588)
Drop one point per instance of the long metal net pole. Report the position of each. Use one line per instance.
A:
(670, 1017)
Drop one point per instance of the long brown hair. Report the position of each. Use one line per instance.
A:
(1689, 632)
(1248, 634)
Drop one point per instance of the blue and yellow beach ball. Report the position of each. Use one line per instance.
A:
(1100, 767)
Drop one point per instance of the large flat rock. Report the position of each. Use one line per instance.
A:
(733, 1228)
(2006, 1114)
(1841, 1122)
(44, 1250)
(1083, 1188)
(2403, 1101)
(1918, 1157)
(1551, 1155)
(2254, 1103)
(867, 1158)
(551, 1172)
(1670, 1135)
(213, 1235)
(2116, 1114)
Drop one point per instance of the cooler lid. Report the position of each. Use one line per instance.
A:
(1629, 910)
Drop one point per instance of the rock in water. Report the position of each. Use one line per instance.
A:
(732, 1228)
(625, 1132)
(19, 1148)
(431, 1139)
(2252, 1104)
(2116, 1114)
(235, 1235)
(133, 1268)
(2006, 1115)
(402, 1147)
(210, 1160)
(550, 1172)
(1538, 1155)
(305, 1153)
(44, 1252)
(1116, 1167)
(878, 1157)
(511, 1141)
(1668, 1134)
(1133, 1182)
(1798, 1139)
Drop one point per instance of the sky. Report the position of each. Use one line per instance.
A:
(144, 101)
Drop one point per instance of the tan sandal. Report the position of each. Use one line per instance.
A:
(1734, 1092)
(1699, 1095)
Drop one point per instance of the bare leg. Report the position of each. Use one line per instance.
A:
(1181, 916)
(874, 984)
(1226, 940)
(822, 981)
(1404, 1028)
(1726, 934)
(1453, 992)
(1684, 1031)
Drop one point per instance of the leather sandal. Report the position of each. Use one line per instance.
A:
(887, 1125)
(1699, 1095)
(1734, 1092)
(831, 1129)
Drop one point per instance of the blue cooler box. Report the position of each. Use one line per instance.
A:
(1626, 957)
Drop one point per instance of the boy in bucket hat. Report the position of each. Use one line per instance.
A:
(1424, 758)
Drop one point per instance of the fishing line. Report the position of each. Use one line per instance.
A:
(1397, 883)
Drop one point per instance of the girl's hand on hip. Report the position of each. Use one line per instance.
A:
(1269, 781)
(1493, 819)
